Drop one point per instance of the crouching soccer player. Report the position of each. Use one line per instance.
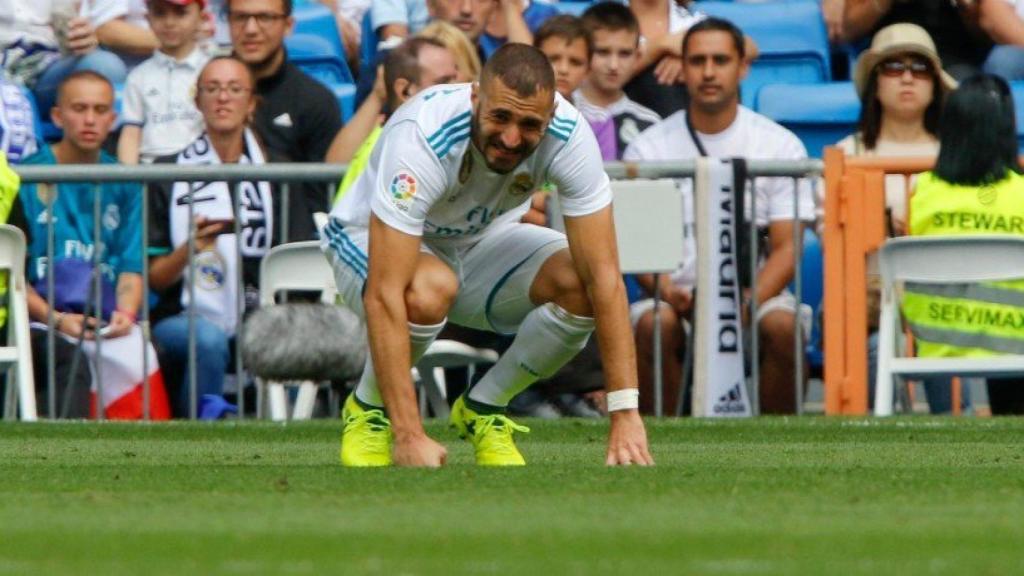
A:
(437, 209)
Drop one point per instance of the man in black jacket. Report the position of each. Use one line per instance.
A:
(297, 117)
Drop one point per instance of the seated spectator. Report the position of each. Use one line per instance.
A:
(130, 41)
(467, 60)
(658, 73)
(1003, 21)
(17, 123)
(717, 125)
(902, 86)
(565, 42)
(394, 20)
(43, 42)
(975, 189)
(297, 117)
(514, 21)
(348, 15)
(160, 115)
(416, 64)
(615, 119)
(224, 96)
(469, 16)
(951, 24)
(85, 112)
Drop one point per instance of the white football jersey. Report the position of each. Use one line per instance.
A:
(425, 178)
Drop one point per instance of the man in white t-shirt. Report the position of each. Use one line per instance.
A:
(714, 64)
(438, 208)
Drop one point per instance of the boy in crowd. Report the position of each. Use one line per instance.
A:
(160, 115)
(615, 43)
(566, 44)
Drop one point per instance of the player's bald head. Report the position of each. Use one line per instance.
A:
(520, 67)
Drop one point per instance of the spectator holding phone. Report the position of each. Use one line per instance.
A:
(224, 97)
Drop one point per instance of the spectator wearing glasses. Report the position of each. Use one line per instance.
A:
(901, 85)
(296, 117)
(224, 96)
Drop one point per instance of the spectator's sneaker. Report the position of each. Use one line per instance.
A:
(491, 435)
(366, 437)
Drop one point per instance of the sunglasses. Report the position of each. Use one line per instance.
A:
(920, 69)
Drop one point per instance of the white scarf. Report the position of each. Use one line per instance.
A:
(216, 292)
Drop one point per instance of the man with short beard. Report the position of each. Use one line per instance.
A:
(297, 117)
(430, 232)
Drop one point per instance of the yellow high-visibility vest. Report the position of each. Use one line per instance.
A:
(982, 319)
(9, 183)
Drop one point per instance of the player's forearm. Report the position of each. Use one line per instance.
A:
(388, 331)
(614, 333)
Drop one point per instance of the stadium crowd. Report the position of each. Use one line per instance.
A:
(187, 82)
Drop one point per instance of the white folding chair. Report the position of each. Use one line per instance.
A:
(429, 371)
(649, 231)
(16, 356)
(940, 260)
(294, 266)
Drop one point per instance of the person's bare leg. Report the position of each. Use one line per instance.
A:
(777, 368)
(673, 341)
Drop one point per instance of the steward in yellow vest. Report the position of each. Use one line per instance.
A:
(9, 183)
(967, 319)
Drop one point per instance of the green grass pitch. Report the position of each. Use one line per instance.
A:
(762, 496)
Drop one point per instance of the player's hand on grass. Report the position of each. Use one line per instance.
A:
(418, 451)
(627, 440)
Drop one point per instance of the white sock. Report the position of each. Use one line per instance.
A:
(420, 338)
(548, 338)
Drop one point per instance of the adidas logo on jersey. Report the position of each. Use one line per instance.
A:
(731, 402)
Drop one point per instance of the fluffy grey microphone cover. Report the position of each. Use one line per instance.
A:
(304, 342)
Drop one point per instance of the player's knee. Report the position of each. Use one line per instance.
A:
(429, 297)
(571, 294)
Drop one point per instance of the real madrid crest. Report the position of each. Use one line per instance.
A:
(522, 183)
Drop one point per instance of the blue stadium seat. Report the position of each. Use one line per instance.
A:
(812, 293)
(1017, 89)
(791, 38)
(576, 8)
(819, 114)
(317, 20)
(316, 57)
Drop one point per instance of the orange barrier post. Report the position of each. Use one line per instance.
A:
(854, 229)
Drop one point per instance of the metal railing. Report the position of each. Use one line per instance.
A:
(287, 174)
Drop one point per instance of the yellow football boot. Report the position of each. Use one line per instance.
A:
(491, 435)
(366, 437)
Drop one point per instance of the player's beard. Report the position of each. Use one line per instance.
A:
(494, 141)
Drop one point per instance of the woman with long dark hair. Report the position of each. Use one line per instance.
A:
(902, 86)
(976, 188)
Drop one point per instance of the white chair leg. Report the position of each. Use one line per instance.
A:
(278, 401)
(305, 402)
(886, 352)
(22, 340)
(433, 384)
(10, 397)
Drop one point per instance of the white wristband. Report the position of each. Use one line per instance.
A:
(627, 399)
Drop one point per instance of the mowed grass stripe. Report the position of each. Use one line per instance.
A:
(742, 497)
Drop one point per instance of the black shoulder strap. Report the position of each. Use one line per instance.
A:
(694, 137)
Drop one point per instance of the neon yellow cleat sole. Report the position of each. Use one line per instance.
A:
(490, 434)
(366, 437)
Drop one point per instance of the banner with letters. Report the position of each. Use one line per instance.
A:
(719, 382)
